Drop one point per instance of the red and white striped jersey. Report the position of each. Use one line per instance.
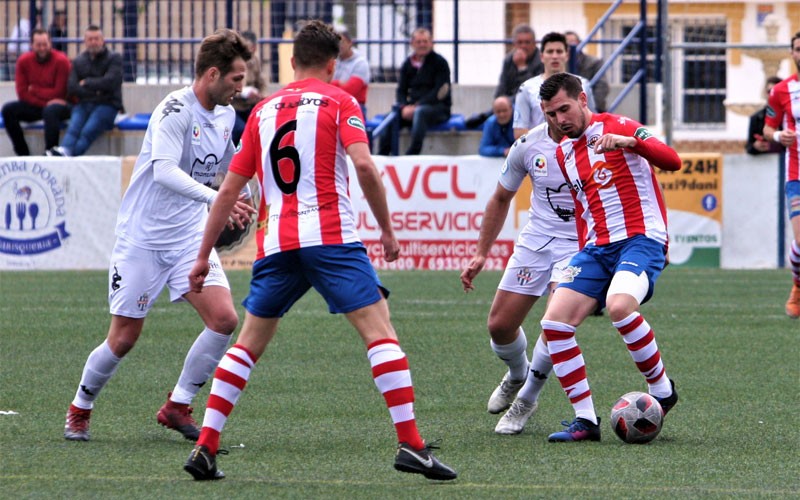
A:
(295, 142)
(617, 195)
(783, 111)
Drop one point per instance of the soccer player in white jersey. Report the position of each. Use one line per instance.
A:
(296, 142)
(622, 230)
(541, 255)
(527, 104)
(159, 226)
(783, 110)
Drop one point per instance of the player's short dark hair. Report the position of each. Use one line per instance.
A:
(315, 44)
(795, 37)
(219, 50)
(773, 80)
(570, 83)
(554, 37)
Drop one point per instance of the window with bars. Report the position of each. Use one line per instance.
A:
(699, 74)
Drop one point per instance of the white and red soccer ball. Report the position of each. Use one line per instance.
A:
(636, 418)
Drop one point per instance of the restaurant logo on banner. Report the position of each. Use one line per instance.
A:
(32, 207)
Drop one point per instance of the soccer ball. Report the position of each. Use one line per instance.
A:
(637, 417)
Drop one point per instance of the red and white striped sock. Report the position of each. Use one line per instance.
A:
(569, 367)
(641, 343)
(794, 262)
(229, 381)
(393, 378)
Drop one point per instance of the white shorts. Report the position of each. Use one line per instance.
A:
(137, 276)
(533, 266)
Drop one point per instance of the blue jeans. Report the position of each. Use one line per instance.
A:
(425, 115)
(88, 121)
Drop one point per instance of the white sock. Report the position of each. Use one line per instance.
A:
(201, 360)
(540, 369)
(100, 366)
(514, 355)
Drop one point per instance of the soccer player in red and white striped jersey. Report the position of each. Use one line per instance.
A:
(295, 142)
(783, 110)
(622, 228)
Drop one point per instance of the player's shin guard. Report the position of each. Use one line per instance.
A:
(202, 358)
(98, 370)
(393, 378)
(641, 343)
(229, 382)
(569, 367)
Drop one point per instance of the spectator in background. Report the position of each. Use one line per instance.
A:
(41, 83)
(254, 88)
(498, 134)
(423, 92)
(95, 82)
(756, 143)
(58, 29)
(587, 66)
(528, 106)
(352, 72)
(522, 63)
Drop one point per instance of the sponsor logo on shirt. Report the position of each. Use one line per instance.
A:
(356, 122)
(303, 101)
(171, 106)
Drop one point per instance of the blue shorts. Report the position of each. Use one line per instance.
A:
(593, 267)
(792, 191)
(342, 274)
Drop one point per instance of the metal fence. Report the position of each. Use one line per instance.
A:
(158, 37)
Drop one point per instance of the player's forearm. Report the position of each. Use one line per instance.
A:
(168, 174)
(494, 217)
(658, 154)
(374, 192)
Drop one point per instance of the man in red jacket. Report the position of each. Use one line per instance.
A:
(41, 82)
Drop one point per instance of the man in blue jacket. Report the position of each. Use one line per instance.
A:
(95, 83)
(498, 131)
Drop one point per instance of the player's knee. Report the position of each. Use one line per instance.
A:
(224, 323)
(500, 331)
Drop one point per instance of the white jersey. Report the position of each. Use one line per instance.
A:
(552, 211)
(528, 106)
(180, 132)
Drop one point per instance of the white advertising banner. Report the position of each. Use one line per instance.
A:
(436, 205)
(58, 213)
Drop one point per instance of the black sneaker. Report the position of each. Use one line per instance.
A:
(668, 402)
(202, 465)
(579, 429)
(422, 462)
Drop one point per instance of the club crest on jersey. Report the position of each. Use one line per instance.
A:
(570, 273)
(539, 165)
(592, 141)
(195, 133)
(642, 134)
(226, 134)
(356, 122)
